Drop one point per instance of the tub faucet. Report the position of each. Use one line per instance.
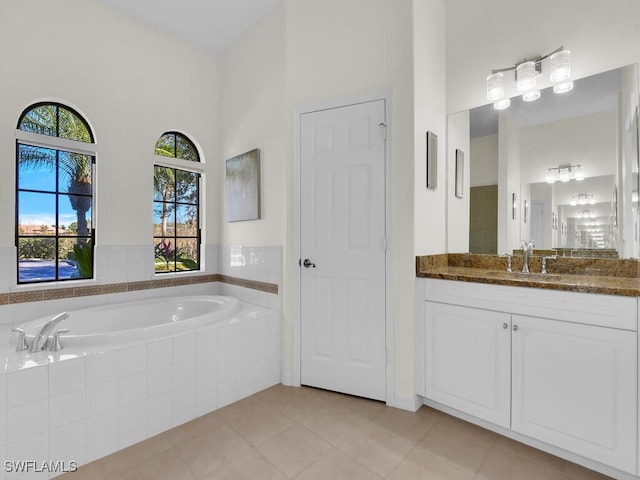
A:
(527, 250)
(40, 338)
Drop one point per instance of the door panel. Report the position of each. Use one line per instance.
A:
(342, 184)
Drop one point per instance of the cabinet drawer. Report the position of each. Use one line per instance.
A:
(585, 308)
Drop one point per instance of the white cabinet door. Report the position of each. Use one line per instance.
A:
(468, 360)
(574, 386)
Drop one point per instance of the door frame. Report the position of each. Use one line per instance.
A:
(298, 111)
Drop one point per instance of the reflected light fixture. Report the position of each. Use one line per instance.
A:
(526, 73)
(583, 199)
(564, 173)
(586, 214)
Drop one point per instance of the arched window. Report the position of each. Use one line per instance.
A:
(176, 204)
(55, 159)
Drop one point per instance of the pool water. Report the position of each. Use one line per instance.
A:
(39, 270)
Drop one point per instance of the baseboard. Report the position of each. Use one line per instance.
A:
(411, 404)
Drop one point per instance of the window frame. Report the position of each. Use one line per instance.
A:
(190, 166)
(57, 144)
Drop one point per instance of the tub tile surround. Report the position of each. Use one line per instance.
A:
(97, 402)
(588, 275)
(91, 405)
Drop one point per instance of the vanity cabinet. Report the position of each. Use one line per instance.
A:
(574, 386)
(557, 367)
(469, 360)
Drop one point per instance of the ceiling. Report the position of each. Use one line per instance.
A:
(210, 24)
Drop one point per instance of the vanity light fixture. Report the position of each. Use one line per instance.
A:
(526, 73)
(583, 199)
(586, 214)
(564, 173)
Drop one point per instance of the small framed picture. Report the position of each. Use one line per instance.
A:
(459, 173)
(432, 160)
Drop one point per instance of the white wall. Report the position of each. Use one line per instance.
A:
(484, 160)
(589, 140)
(459, 208)
(508, 183)
(252, 114)
(324, 53)
(132, 84)
(430, 211)
(487, 34)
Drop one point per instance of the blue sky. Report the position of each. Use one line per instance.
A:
(40, 208)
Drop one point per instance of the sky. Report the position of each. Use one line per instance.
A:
(40, 208)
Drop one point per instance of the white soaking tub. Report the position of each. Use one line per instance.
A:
(130, 371)
(130, 321)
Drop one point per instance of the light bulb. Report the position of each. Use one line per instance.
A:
(560, 66)
(502, 104)
(564, 174)
(495, 87)
(549, 176)
(563, 87)
(526, 76)
(579, 173)
(531, 95)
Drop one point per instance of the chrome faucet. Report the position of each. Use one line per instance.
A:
(40, 339)
(527, 250)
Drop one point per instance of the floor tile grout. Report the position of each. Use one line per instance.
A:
(396, 436)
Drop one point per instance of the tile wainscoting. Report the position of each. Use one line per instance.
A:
(253, 274)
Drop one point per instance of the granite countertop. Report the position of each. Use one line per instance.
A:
(604, 276)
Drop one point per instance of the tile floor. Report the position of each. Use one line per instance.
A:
(304, 433)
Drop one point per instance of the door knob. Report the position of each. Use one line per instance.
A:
(307, 263)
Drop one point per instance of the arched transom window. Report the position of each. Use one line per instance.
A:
(55, 159)
(177, 176)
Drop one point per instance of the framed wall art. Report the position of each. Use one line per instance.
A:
(432, 160)
(459, 173)
(243, 187)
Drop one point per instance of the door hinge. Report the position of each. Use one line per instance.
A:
(384, 126)
(384, 243)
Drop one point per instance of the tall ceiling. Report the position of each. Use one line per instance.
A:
(209, 24)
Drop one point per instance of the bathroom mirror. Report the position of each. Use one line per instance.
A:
(586, 141)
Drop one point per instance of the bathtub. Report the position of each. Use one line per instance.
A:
(132, 321)
(130, 371)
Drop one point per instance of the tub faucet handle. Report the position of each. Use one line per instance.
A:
(56, 344)
(22, 342)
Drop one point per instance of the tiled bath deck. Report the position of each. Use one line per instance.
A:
(304, 433)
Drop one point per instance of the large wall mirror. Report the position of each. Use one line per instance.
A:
(569, 160)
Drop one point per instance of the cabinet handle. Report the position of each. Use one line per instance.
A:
(505, 326)
(515, 328)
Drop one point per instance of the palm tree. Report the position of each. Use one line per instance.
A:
(51, 119)
(163, 187)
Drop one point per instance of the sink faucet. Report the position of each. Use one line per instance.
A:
(527, 250)
(40, 339)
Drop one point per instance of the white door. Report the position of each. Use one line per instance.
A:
(342, 235)
(469, 360)
(574, 386)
